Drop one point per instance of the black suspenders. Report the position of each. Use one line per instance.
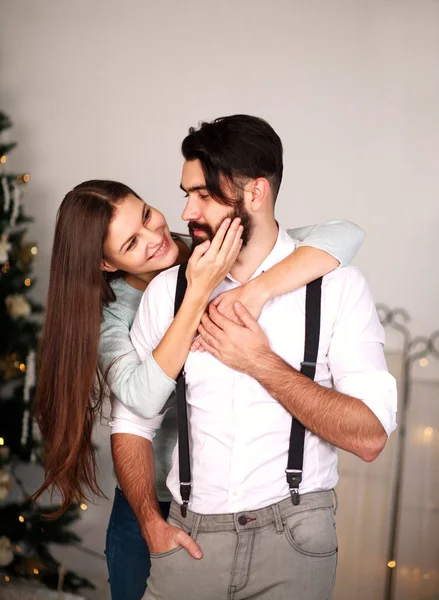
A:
(308, 368)
(182, 423)
(297, 435)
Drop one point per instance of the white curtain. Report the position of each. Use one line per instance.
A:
(366, 503)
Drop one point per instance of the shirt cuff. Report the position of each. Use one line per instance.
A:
(377, 390)
(123, 420)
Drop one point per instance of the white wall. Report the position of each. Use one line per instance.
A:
(108, 89)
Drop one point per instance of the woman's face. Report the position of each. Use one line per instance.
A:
(138, 240)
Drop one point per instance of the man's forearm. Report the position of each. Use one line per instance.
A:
(133, 459)
(339, 419)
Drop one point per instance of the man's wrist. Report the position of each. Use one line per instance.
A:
(152, 527)
(261, 364)
(268, 363)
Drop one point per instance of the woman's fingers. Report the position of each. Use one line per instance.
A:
(234, 232)
(235, 248)
(219, 236)
(199, 251)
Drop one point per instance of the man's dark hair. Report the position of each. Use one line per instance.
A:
(234, 149)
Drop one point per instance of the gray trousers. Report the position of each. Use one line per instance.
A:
(281, 552)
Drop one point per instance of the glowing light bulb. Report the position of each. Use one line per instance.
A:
(423, 362)
(391, 564)
(428, 434)
(83, 506)
(21, 519)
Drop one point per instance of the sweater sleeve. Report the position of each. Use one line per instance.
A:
(141, 386)
(340, 239)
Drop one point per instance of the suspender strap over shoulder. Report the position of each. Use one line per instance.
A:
(308, 368)
(182, 421)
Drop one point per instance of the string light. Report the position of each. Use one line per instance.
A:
(18, 548)
(34, 250)
(7, 578)
(17, 364)
(423, 362)
(27, 282)
(3, 159)
(83, 506)
(5, 267)
(26, 178)
(428, 434)
(21, 519)
(2, 441)
(22, 367)
(391, 564)
(427, 575)
(36, 572)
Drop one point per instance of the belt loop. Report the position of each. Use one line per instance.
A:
(277, 518)
(195, 526)
(334, 502)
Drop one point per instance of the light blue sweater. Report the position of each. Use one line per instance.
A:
(143, 387)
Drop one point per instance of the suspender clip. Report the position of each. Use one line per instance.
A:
(306, 363)
(185, 491)
(294, 478)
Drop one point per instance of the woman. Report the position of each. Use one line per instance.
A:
(108, 246)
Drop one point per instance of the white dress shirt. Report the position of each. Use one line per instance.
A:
(239, 435)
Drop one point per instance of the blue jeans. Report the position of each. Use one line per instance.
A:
(127, 554)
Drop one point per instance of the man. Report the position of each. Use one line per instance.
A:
(260, 535)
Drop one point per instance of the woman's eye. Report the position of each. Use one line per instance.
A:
(147, 215)
(204, 197)
(132, 244)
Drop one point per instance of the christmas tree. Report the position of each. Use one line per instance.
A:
(25, 535)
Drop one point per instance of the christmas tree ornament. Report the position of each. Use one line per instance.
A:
(25, 256)
(4, 453)
(17, 306)
(6, 553)
(6, 194)
(5, 483)
(5, 246)
(9, 367)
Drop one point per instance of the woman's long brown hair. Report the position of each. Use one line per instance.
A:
(70, 390)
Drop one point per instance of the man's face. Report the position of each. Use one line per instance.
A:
(203, 213)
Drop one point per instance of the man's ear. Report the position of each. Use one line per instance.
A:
(107, 267)
(260, 190)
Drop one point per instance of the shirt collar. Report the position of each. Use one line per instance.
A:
(282, 248)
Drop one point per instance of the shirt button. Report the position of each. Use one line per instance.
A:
(242, 520)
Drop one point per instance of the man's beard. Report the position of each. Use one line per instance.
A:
(237, 211)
